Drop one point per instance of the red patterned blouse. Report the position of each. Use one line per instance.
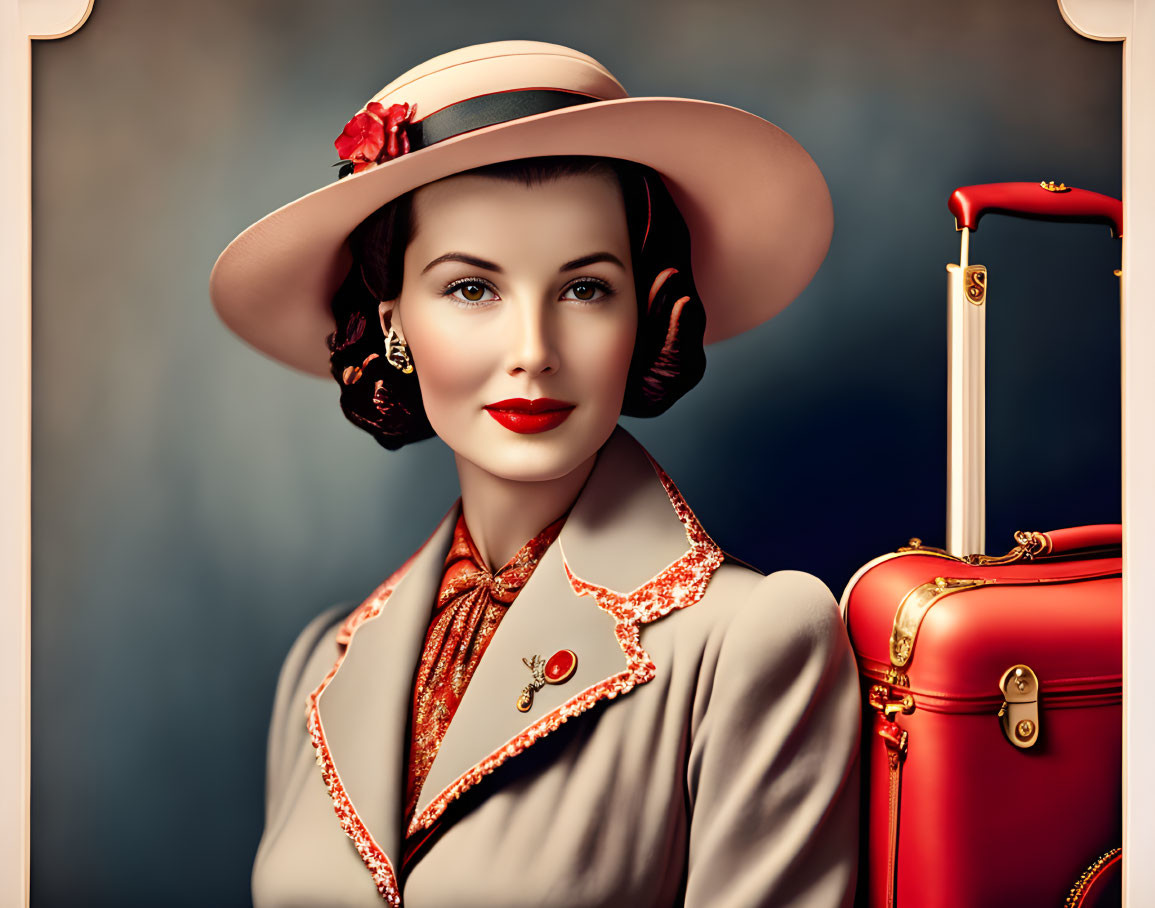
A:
(469, 607)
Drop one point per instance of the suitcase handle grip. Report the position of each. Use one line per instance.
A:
(1095, 536)
(1100, 538)
(1045, 201)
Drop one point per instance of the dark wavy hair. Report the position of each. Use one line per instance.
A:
(666, 363)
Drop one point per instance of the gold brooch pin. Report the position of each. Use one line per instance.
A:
(558, 669)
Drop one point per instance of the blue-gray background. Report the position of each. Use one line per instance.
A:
(195, 504)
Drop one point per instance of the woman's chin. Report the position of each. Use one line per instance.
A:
(532, 457)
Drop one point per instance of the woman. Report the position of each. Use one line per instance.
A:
(619, 714)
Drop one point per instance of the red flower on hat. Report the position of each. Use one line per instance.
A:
(374, 135)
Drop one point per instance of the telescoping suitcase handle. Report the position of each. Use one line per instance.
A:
(966, 358)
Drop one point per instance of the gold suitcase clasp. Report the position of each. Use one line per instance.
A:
(1020, 710)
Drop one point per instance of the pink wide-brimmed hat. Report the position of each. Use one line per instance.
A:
(756, 205)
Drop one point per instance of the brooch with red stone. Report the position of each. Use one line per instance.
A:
(374, 135)
(556, 670)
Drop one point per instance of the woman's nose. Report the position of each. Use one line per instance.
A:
(533, 348)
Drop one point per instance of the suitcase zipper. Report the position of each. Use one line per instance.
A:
(1061, 694)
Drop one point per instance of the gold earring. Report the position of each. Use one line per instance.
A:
(397, 352)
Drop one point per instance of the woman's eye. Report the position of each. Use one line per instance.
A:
(471, 292)
(585, 291)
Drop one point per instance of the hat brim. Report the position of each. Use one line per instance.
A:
(756, 204)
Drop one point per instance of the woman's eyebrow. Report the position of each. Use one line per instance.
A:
(591, 260)
(467, 259)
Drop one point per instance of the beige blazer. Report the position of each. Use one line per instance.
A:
(704, 753)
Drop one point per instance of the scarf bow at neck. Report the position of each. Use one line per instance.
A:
(465, 569)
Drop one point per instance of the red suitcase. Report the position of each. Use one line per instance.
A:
(992, 685)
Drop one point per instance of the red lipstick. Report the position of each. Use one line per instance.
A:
(530, 416)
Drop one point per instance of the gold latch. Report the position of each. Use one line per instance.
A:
(1020, 710)
(1050, 186)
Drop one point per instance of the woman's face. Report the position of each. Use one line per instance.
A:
(519, 309)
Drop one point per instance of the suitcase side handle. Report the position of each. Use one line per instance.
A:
(1046, 201)
(1094, 536)
(1092, 540)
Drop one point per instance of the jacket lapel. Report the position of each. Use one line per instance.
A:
(630, 552)
(358, 715)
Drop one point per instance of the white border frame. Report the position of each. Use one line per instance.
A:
(20, 21)
(1133, 23)
(1129, 21)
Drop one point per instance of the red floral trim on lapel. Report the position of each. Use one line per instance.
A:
(371, 853)
(676, 586)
